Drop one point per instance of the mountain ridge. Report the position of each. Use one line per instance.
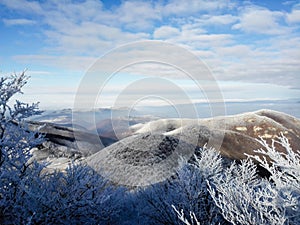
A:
(234, 136)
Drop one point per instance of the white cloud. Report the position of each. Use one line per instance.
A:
(166, 32)
(138, 15)
(192, 36)
(235, 51)
(219, 19)
(132, 15)
(192, 40)
(25, 6)
(85, 28)
(90, 38)
(89, 29)
(270, 64)
(190, 7)
(294, 16)
(78, 33)
(292, 2)
(13, 22)
(261, 20)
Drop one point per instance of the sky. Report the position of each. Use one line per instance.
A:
(251, 48)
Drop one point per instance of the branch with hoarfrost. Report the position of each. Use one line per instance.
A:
(245, 198)
(9, 86)
(14, 136)
(206, 165)
(209, 162)
(284, 167)
(181, 217)
(29, 195)
(16, 170)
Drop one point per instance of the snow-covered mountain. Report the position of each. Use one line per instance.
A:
(132, 148)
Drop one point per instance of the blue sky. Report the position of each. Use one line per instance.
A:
(251, 47)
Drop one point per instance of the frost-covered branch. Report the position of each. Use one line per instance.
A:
(9, 112)
(245, 198)
(181, 217)
(16, 141)
(284, 167)
(192, 177)
(30, 195)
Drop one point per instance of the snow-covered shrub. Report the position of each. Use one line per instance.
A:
(245, 198)
(15, 145)
(187, 190)
(284, 169)
(30, 195)
(77, 196)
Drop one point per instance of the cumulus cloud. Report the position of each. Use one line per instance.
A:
(87, 28)
(294, 16)
(138, 15)
(76, 33)
(261, 20)
(90, 38)
(269, 64)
